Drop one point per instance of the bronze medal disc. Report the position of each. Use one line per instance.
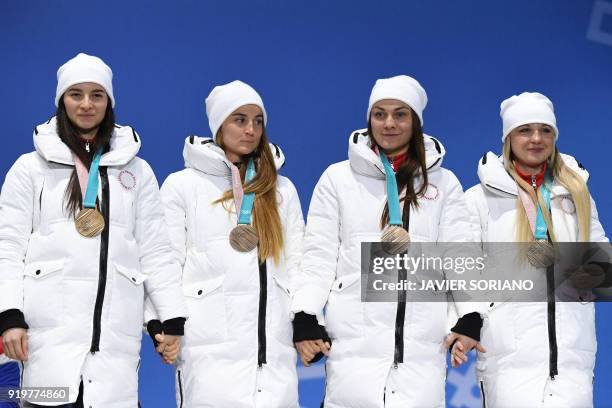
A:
(243, 238)
(395, 239)
(541, 254)
(89, 222)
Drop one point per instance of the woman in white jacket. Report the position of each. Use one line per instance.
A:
(82, 239)
(237, 270)
(538, 354)
(382, 354)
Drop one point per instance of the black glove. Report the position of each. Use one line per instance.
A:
(306, 327)
(468, 325)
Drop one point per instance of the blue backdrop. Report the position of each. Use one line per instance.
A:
(314, 63)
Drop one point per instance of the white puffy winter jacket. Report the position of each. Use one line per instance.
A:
(526, 341)
(365, 367)
(83, 297)
(237, 350)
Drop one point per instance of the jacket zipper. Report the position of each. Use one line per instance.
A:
(499, 189)
(180, 385)
(261, 320)
(105, 209)
(400, 316)
(552, 329)
(398, 356)
(484, 398)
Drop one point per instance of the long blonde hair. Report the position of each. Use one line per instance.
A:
(564, 176)
(266, 219)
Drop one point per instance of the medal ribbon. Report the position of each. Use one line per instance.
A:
(236, 187)
(395, 216)
(536, 217)
(89, 189)
(246, 208)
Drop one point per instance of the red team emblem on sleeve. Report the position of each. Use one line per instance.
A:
(431, 193)
(127, 179)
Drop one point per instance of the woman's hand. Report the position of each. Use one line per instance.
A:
(168, 347)
(310, 348)
(15, 343)
(461, 345)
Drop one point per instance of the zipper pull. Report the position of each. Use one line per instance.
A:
(87, 146)
(533, 181)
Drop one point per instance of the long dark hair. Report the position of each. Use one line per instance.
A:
(69, 134)
(411, 168)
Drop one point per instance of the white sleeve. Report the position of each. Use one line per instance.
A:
(597, 233)
(163, 283)
(321, 247)
(16, 212)
(293, 231)
(457, 226)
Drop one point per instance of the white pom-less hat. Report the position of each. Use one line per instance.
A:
(528, 107)
(84, 68)
(402, 88)
(224, 99)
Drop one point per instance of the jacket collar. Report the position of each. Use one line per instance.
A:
(365, 161)
(124, 145)
(202, 154)
(494, 177)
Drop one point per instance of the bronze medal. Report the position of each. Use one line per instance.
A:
(395, 240)
(541, 254)
(89, 222)
(243, 238)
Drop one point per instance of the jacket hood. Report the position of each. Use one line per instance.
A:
(364, 161)
(201, 153)
(494, 177)
(124, 145)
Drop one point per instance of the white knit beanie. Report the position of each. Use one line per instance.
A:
(403, 88)
(528, 107)
(224, 99)
(84, 68)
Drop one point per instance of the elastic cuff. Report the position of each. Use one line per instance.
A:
(305, 327)
(469, 325)
(174, 327)
(154, 327)
(11, 319)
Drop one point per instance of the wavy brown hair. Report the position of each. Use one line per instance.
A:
(413, 167)
(70, 135)
(266, 219)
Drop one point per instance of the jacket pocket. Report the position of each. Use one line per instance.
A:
(207, 317)
(344, 310)
(497, 335)
(279, 309)
(43, 297)
(127, 300)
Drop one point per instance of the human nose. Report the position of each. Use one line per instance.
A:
(249, 129)
(389, 122)
(86, 103)
(536, 136)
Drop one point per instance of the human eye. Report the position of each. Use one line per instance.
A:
(379, 115)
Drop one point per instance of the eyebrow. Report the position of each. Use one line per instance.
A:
(243, 115)
(76, 89)
(395, 110)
